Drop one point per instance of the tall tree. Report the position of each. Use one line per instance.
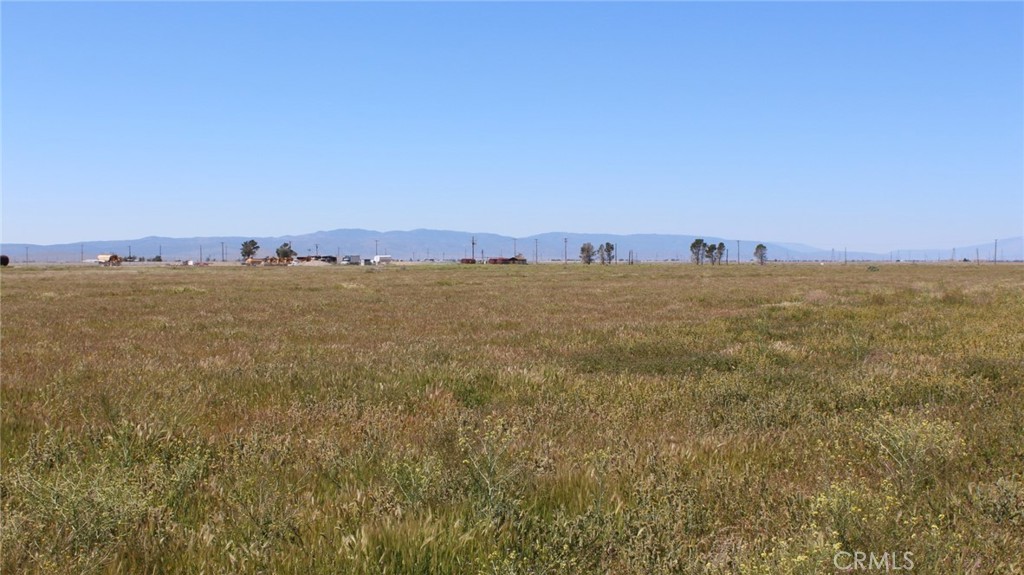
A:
(719, 252)
(697, 251)
(249, 249)
(761, 253)
(286, 251)
(606, 252)
(709, 253)
(587, 253)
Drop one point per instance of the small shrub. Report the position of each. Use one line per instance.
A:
(853, 516)
(495, 467)
(913, 449)
(1002, 501)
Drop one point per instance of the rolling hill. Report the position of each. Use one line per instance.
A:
(423, 244)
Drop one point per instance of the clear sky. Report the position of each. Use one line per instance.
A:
(872, 126)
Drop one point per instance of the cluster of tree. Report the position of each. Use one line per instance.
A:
(250, 248)
(701, 251)
(605, 253)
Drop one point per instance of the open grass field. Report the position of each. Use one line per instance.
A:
(527, 419)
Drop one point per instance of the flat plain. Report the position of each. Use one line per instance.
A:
(513, 419)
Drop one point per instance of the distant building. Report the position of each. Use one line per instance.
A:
(519, 259)
(378, 260)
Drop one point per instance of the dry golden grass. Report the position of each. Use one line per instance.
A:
(535, 419)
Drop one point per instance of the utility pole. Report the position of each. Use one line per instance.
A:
(995, 251)
(535, 260)
(473, 242)
(375, 244)
(129, 251)
(565, 251)
(222, 254)
(200, 251)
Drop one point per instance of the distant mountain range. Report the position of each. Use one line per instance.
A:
(440, 245)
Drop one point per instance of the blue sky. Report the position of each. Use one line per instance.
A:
(871, 126)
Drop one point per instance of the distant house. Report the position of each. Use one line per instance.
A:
(518, 259)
